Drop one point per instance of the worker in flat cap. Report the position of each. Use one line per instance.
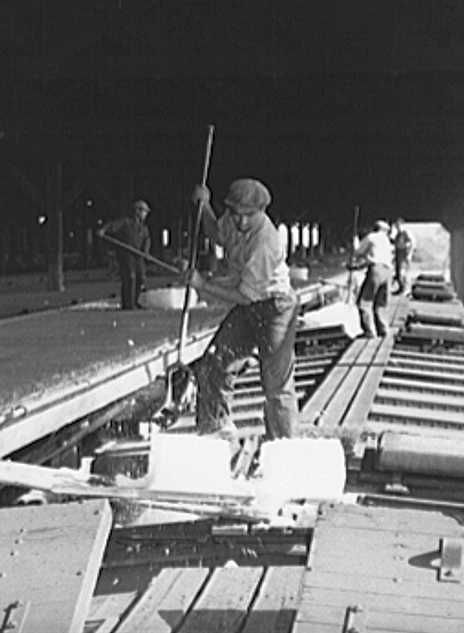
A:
(376, 250)
(262, 317)
(133, 231)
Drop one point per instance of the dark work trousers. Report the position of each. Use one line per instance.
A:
(270, 326)
(401, 270)
(132, 279)
(373, 299)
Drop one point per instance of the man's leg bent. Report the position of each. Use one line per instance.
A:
(216, 370)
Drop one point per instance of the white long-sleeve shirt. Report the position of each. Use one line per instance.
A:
(376, 248)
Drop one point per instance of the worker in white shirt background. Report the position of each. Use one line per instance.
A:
(376, 250)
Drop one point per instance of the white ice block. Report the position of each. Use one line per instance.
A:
(302, 468)
(167, 298)
(189, 463)
(337, 313)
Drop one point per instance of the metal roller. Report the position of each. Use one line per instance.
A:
(432, 455)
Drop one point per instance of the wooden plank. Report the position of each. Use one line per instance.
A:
(164, 604)
(416, 415)
(311, 627)
(331, 383)
(405, 384)
(422, 363)
(428, 356)
(384, 560)
(395, 397)
(403, 541)
(54, 556)
(224, 603)
(106, 610)
(393, 586)
(275, 608)
(359, 409)
(375, 600)
(420, 374)
(406, 623)
(382, 619)
(375, 518)
(333, 414)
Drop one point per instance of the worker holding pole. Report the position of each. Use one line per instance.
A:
(377, 251)
(133, 232)
(263, 315)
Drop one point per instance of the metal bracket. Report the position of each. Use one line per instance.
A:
(396, 486)
(14, 616)
(451, 565)
(355, 619)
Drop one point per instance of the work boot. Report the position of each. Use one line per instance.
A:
(228, 432)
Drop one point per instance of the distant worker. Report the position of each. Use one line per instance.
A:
(377, 251)
(404, 244)
(131, 230)
(263, 317)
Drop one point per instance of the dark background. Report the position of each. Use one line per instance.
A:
(331, 103)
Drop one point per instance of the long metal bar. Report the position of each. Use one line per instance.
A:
(136, 251)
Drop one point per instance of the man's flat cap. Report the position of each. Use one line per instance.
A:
(142, 205)
(247, 192)
(381, 225)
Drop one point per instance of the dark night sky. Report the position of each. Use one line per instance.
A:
(331, 103)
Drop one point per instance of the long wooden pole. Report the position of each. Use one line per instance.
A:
(194, 249)
(351, 262)
(136, 251)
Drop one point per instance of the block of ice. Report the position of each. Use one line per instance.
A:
(301, 468)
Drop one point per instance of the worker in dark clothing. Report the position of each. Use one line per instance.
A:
(263, 315)
(133, 231)
(404, 245)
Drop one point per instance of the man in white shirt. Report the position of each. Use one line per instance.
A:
(377, 250)
(263, 315)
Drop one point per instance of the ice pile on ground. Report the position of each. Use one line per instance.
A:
(338, 313)
(171, 298)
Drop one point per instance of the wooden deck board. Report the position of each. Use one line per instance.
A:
(423, 363)
(331, 383)
(164, 604)
(359, 409)
(224, 603)
(54, 556)
(428, 356)
(406, 398)
(106, 611)
(275, 608)
(335, 410)
(418, 374)
(417, 415)
(384, 560)
(404, 384)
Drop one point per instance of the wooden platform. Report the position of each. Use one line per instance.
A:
(346, 391)
(377, 569)
(50, 558)
(200, 600)
(411, 380)
(369, 569)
